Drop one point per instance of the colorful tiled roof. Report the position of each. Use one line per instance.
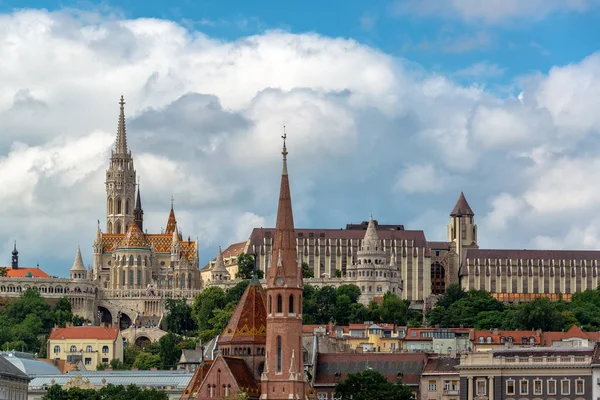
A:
(87, 332)
(134, 238)
(161, 242)
(171, 223)
(248, 324)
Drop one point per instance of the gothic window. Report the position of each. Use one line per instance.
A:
(270, 305)
(291, 304)
(109, 227)
(183, 281)
(278, 353)
(127, 206)
(130, 278)
(119, 211)
(130, 260)
(139, 277)
(438, 278)
(189, 285)
(111, 208)
(279, 304)
(139, 260)
(123, 282)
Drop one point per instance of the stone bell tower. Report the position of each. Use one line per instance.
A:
(120, 182)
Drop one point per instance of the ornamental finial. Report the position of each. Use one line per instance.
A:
(284, 152)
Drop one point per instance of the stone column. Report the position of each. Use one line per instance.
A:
(470, 388)
(491, 388)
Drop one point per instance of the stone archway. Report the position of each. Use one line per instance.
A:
(104, 316)
(142, 341)
(124, 321)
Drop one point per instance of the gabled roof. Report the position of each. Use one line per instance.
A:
(441, 364)
(248, 324)
(8, 369)
(87, 332)
(229, 254)
(134, 238)
(25, 273)
(573, 333)
(462, 207)
(193, 387)
(242, 375)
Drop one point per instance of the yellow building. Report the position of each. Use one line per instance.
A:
(93, 345)
(374, 337)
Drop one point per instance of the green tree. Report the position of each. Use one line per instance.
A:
(245, 263)
(541, 313)
(145, 361)
(307, 271)
(337, 273)
(169, 351)
(235, 293)
(370, 385)
(3, 271)
(342, 309)
(394, 310)
(179, 316)
(62, 313)
(205, 304)
(453, 293)
(352, 291)
(30, 302)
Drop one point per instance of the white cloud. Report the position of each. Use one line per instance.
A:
(205, 118)
(491, 11)
(480, 70)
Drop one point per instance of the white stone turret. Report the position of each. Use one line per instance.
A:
(78, 270)
(219, 272)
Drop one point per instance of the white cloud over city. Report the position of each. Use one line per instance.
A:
(367, 132)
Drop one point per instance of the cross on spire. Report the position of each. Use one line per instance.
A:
(121, 146)
(284, 152)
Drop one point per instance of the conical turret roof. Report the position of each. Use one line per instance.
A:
(248, 323)
(219, 264)
(78, 263)
(172, 222)
(462, 207)
(371, 239)
(121, 145)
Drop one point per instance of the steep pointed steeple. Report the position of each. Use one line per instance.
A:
(121, 146)
(138, 212)
(78, 263)
(462, 208)
(171, 222)
(284, 313)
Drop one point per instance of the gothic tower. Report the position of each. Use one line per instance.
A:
(462, 230)
(283, 376)
(120, 182)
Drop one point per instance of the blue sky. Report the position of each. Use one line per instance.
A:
(393, 107)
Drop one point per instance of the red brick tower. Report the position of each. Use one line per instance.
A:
(283, 376)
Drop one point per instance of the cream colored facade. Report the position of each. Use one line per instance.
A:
(89, 344)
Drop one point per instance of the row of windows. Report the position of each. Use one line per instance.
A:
(280, 304)
(384, 274)
(538, 387)
(524, 340)
(119, 206)
(244, 351)
(73, 349)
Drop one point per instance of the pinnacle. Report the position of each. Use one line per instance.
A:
(462, 207)
(78, 263)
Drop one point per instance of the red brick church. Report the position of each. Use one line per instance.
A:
(260, 351)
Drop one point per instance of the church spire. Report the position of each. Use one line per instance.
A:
(15, 257)
(121, 146)
(138, 212)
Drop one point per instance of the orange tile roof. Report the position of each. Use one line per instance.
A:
(88, 332)
(22, 272)
(233, 250)
(573, 332)
(248, 323)
(62, 365)
(171, 222)
(160, 241)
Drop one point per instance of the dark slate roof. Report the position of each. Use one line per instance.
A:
(441, 364)
(334, 367)
(8, 369)
(462, 207)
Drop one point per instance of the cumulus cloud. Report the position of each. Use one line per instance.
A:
(205, 118)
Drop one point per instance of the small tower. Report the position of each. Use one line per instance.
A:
(219, 272)
(15, 257)
(78, 271)
(462, 230)
(175, 247)
(120, 182)
(97, 252)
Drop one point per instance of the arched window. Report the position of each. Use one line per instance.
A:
(111, 208)
(109, 227)
(183, 281)
(127, 206)
(88, 349)
(73, 349)
(279, 304)
(270, 305)
(139, 277)
(300, 304)
(291, 304)
(57, 349)
(104, 349)
(278, 353)
(119, 206)
(438, 278)
(130, 278)
(130, 260)
(139, 260)
(118, 227)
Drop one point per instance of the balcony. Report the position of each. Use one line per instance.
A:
(452, 392)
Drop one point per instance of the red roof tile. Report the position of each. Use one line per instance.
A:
(88, 332)
(22, 272)
(248, 323)
(497, 335)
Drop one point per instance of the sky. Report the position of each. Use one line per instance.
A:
(391, 108)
